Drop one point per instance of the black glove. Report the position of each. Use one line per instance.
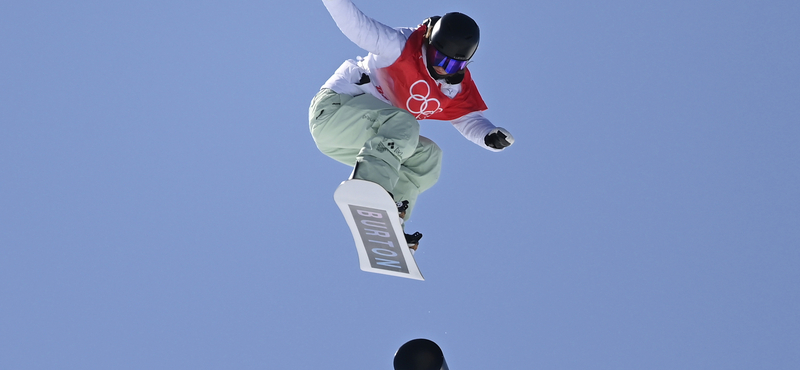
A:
(498, 138)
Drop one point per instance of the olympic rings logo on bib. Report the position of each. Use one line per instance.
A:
(419, 103)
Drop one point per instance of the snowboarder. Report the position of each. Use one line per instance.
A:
(366, 115)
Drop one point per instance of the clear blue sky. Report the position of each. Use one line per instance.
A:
(163, 206)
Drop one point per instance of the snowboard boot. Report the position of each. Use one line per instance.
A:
(413, 239)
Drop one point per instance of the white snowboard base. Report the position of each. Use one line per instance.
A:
(372, 216)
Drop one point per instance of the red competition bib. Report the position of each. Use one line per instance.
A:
(408, 85)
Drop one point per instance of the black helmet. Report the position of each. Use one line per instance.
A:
(456, 35)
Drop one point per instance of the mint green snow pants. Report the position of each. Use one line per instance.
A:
(382, 141)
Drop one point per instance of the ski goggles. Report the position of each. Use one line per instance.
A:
(450, 65)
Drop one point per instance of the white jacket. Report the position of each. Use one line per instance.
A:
(384, 45)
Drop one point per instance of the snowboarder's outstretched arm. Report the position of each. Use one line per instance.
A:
(478, 129)
(367, 33)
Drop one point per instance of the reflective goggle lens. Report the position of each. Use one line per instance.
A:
(450, 65)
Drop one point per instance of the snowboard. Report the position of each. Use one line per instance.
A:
(372, 217)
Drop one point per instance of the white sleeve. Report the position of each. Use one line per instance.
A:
(474, 126)
(369, 34)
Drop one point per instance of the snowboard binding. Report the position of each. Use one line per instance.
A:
(411, 239)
